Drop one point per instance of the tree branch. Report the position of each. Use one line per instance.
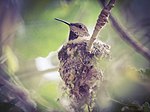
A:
(127, 37)
(101, 21)
(17, 94)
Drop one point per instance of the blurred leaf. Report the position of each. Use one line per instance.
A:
(146, 107)
(145, 72)
(12, 60)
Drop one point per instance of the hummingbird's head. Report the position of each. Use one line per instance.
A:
(76, 29)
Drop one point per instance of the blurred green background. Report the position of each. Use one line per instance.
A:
(32, 38)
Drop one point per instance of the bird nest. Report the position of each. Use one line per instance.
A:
(79, 71)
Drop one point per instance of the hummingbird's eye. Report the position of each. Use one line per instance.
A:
(80, 26)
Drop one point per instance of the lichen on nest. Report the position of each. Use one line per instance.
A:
(79, 72)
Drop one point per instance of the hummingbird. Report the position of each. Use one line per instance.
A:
(77, 66)
(76, 30)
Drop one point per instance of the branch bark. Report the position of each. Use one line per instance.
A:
(101, 21)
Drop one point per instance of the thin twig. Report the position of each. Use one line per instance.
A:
(89, 108)
(102, 20)
(128, 38)
(36, 73)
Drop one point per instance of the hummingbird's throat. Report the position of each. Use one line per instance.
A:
(73, 35)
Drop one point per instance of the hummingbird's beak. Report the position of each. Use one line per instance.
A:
(62, 21)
